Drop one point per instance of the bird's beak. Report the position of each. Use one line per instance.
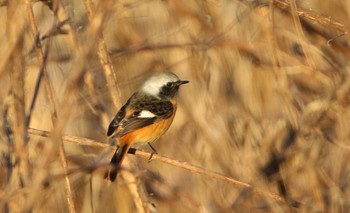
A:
(183, 82)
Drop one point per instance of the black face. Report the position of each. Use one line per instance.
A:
(170, 89)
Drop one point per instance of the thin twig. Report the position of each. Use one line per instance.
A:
(36, 89)
(211, 174)
(68, 187)
(313, 16)
(144, 46)
(184, 165)
(40, 55)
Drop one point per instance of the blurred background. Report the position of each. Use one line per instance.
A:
(267, 104)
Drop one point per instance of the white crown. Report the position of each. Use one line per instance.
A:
(153, 85)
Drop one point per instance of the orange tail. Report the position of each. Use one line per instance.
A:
(116, 162)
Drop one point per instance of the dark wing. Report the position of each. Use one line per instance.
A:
(117, 119)
(151, 112)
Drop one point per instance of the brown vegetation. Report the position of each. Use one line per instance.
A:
(262, 126)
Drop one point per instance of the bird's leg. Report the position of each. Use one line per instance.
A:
(154, 151)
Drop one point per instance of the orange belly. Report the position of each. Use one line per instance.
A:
(149, 133)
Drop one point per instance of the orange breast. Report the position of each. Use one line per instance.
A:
(149, 133)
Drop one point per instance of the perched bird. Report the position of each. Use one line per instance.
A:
(145, 117)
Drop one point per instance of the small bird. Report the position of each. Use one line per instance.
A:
(145, 117)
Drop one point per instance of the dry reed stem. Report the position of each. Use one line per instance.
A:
(18, 123)
(313, 16)
(37, 87)
(15, 66)
(176, 163)
(49, 95)
(136, 190)
(103, 53)
(68, 187)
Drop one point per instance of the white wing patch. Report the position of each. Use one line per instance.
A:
(146, 114)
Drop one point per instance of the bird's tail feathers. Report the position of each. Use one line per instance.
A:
(116, 162)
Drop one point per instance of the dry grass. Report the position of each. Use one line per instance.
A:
(262, 127)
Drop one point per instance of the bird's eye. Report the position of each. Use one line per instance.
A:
(169, 84)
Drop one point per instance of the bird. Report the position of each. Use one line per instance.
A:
(145, 117)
